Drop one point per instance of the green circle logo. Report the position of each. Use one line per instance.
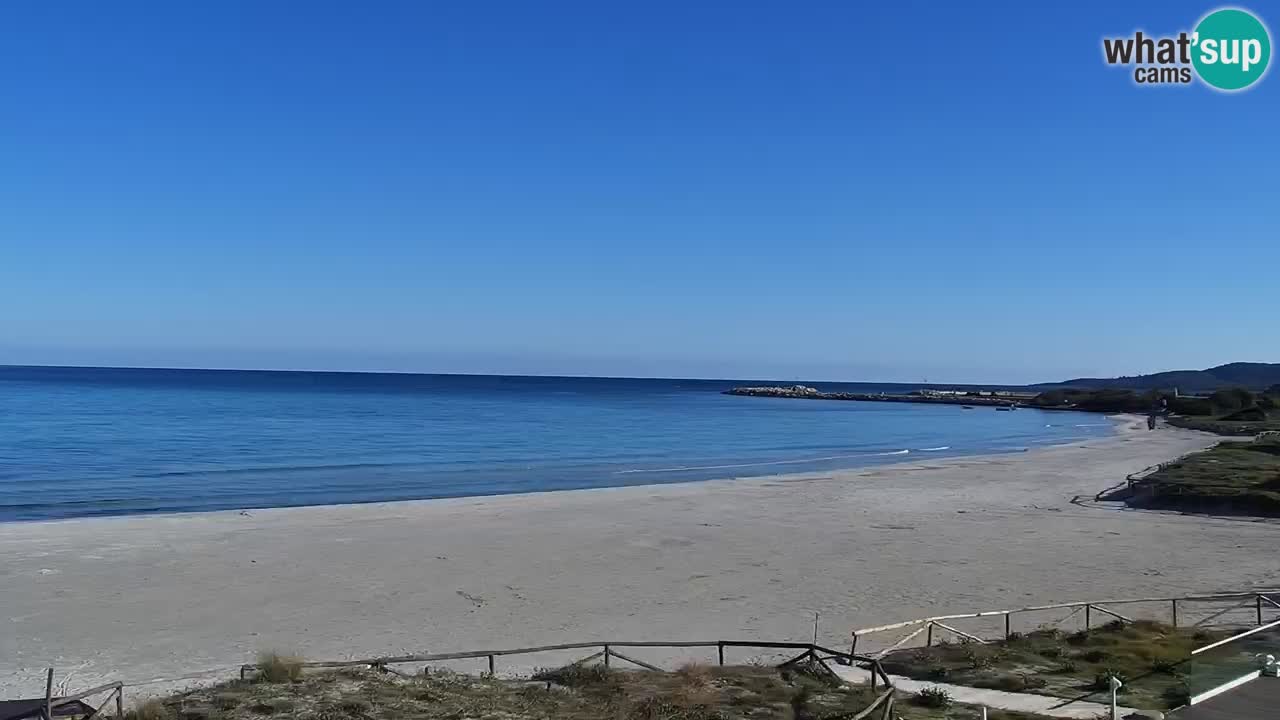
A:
(1232, 49)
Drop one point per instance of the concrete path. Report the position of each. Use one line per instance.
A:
(992, 699)
(1255, 700)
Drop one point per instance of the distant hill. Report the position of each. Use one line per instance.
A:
(1255, 376)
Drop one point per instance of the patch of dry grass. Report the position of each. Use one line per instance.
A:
(1153, 656)
(275, 667)
(590, 692)
(150, 710)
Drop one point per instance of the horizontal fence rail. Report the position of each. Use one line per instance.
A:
(606, 651)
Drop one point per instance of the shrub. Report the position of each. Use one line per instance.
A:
(274, 667)
(1046, 632)
(576, 675)
(976, 657)
(1166, 664)
(1052, 652)
(1102, 681)
(226, 701)
(150, 710)
(1231, 399)
(694, 674)
(1190, 405)
(1066, 667)
(933, 697)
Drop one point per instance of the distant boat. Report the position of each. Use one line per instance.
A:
(1003, 408)
(966, 407)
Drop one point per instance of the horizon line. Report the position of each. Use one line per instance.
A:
(4, 366)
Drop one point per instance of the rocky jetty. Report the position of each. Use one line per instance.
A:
(809, 393)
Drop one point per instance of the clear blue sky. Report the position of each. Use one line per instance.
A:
(883, 191)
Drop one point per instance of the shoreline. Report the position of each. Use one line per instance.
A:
(1121, 422)
(161, 596)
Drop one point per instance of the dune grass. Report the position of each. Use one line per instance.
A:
(1229, 478)
(693, 692)
(1149, 657)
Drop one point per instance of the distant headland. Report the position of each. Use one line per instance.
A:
(1233, 399)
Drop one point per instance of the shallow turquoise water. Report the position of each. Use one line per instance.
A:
(83, 442)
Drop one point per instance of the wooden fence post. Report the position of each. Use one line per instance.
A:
(48, 696)
(928, 642)
(720, 652)
(120, 703)
(491, 673)
(1087, 620)
(1006, 626)
(1175, 613)
(1259, 601)
(606, 656)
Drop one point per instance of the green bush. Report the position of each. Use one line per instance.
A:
(933, 697)
(1190, 405)
(576, 675)
(1232, 399)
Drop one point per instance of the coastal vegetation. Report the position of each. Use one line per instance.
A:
(1226, 411)
(574, 692)
(1149, 657)
(1233, 478)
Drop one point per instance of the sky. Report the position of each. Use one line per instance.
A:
(962, 192)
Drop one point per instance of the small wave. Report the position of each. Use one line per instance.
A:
(270, 469)
(1094, 425)
(758, 464)
(937, 449)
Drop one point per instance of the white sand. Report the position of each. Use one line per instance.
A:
(137, 598)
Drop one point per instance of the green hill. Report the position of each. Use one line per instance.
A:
(1255, 376)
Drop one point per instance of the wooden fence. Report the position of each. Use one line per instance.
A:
(1250, 608)
(114, 691)
(811, 654)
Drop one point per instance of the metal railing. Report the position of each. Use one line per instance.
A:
(1223, 665)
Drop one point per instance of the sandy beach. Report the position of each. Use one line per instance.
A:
(147, 597)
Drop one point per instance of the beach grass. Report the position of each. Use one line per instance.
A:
(576, 692)
(1230, 478)
(1151, 658)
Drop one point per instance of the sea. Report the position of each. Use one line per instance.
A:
(84, 442)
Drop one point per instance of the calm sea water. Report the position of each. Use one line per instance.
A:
(91, 441)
